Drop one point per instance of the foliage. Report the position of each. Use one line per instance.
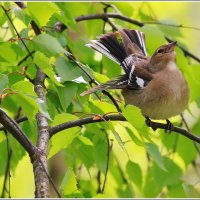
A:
(141, 162)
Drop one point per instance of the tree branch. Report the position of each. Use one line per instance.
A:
(92, 80)
(19, 120)
(10, 125)
(186, 52)
(89, 120)
(40, 165)
(106, 16)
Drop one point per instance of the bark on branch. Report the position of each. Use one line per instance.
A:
(11, 126)
(105, 16)
(89, 120)
(40, 169)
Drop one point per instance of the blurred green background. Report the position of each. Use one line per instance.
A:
(142, 163)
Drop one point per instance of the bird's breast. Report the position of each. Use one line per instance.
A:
(165, 96)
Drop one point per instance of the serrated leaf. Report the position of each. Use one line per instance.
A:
(26, 98)
(69, 183)
(28, 104)
(134, 137)
(100, 150)
(84, 150)
(170, 176)
(66, 94)
(62, 139)
(24, 87)
(152, 149)
(134, 116)
(3, 81)
(43, 62)
(47, 44)
(42, 11)
(11, 53)
(134, 172)
(69, 71)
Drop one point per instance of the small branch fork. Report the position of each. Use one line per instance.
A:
(38, 154)
(107, 16)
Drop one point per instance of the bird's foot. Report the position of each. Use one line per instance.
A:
(169, 126)
(148, 121)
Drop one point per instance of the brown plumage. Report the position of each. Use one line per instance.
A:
(154, 84)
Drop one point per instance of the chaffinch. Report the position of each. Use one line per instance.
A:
(154, 84)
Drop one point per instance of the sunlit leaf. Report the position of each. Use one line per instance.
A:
(134, 172)
(43, 62)
(65, 137)
(69, 183)
(152, 149)
(47, 44)
(3, 81)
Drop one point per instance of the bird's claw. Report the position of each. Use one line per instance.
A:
(169, 127)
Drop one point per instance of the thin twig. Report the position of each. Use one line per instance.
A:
(18, 35)
(107, 161)
(92, 80)
(25, 58)
(188, 129)
(172, 25)
(10, 125)
(99, 182)
(7, 172)
(22, 119)
(186, 52)
(109, 15)
(89, 120)
(140, 24)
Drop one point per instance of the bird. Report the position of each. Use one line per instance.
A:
(152, 83)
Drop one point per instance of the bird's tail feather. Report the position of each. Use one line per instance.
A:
(119, 45)
(92, 90)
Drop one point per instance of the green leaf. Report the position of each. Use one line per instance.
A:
(62, 139)
(66, 94)
(169, 176)
(26, 98)
(177, 191)
(41, 12)
(25, 87)
(134, 172)
(43, 62)
(28, 104)
(47, 45)
(43, 109)
(152, 149)
(182, 147)
(134, 137)
(11, 54)
(170, 30)
(3, 81)
(2, 17)
(84, 150)
(134, 116)
(70, 72)
(69, 183)
(100, 150)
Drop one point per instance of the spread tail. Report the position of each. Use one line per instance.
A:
(119, 45)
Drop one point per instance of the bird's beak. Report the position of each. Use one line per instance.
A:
(171, 46)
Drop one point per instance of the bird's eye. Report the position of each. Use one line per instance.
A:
(160, 51)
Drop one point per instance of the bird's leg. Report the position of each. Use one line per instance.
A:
(170, 126)
(148, 121)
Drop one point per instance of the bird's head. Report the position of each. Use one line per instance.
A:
(162, 56)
